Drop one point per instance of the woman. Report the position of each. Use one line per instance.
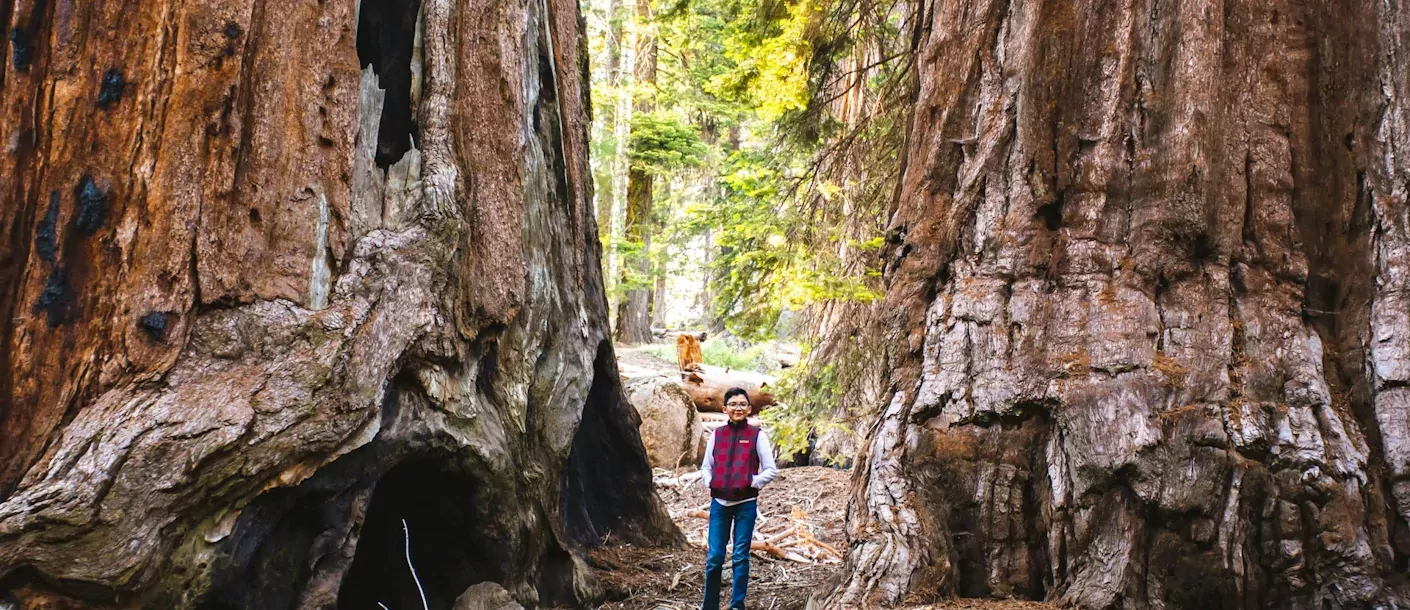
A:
(739, 461)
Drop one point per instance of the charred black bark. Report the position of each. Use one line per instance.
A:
(607, 458)
(386, 31)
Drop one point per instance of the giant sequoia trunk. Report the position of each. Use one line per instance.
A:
(277, 278)
(1149, 289)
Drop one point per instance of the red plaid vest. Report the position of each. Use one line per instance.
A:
(736, 458)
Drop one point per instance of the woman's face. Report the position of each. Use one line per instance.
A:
(737, 408)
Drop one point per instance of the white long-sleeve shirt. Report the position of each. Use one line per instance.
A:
(767, 469)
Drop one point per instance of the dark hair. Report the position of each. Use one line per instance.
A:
(732, 392)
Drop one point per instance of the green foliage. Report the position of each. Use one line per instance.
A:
(775, 144)
(630, 252)
(791, 428)
(661, 351)
(768, 49)
(659, 144)
(806, 397)
(718, 352)
(752, 246)
(774, 147)
(766, 261)
(832, 388)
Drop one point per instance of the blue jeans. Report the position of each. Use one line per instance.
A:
(741, 516)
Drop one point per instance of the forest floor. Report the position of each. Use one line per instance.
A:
(644, 578)
(813, 498)
(635, 361)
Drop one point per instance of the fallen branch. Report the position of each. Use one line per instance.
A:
(826, 547)
(777, 537)
(759, 545)
(664, 479)
(407, 531)
(776, 552)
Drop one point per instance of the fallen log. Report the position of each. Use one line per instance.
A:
(707, 389)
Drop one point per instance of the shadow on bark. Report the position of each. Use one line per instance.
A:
(607, 490)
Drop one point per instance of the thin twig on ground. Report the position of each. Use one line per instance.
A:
(407, 531)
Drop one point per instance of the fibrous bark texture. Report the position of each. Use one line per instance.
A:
(278, 278)
(1148, 296)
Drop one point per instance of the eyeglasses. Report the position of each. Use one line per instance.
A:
(737, 405)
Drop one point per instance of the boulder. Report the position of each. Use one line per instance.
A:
(670, 427)
(486, 596)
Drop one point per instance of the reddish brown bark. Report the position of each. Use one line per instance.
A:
(243, 291)
(1146, 298)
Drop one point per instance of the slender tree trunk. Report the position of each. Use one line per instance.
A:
(633, 321)
(658, 296)
(1148, 305)
(710, 318)
(607, 181)
(656, 306)
(251, 326)
(633, 314)
(704, 301)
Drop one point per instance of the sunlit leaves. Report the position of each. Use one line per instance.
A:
(774, 148)
(770, 59)
(659, 143)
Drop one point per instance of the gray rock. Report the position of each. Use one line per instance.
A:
(670, 426)
(486, 596)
